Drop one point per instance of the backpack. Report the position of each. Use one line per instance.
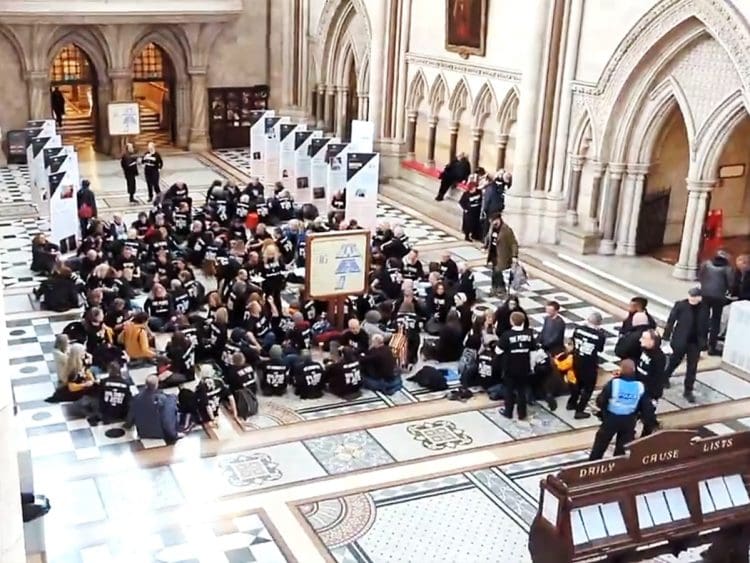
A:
(518, 277)
(247, 403)
(85, 211)
(468, 364)
(398, 345)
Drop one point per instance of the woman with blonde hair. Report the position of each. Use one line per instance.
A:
(60, 357)
(77, 384)
(274, 273)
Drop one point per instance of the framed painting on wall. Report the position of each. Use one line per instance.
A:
(466, 27)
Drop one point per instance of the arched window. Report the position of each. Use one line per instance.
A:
(149, 64)
(71, 65)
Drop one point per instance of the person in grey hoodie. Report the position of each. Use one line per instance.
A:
(716, 277)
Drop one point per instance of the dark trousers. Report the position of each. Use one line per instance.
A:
(715, 308)
(621, 426)
(498, 281)
(445, 185)
(693, 353)
(130, 180)
(515, 391)
(152, 183)
(582, 390)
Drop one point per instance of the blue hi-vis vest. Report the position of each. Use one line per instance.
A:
(625, 396)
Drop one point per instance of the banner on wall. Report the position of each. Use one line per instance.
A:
(302, 142)
(336, 173)
(286, 153)
(362, 174)
(318, 166)
(64, 181)
(258, 144)
(271, 157)
(363, 135)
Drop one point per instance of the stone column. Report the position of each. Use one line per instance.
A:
(611, 205)
(432, 137)
(411, 135)
(39, 94)
(575, 163)
(343, 98)
(199, 102)
(476, 147)
(502, 145)
(596, 188)
(320, 107)
(692, 230)
(572, 39)
(184, 111)
(103, 97)
(11, 524)
(364, 107)
(530, 106)
(453, 140)
(634, 183)
(330, 109)
(377, 10)
(122, 91)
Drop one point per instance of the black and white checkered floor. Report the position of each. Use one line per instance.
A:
(14, 184)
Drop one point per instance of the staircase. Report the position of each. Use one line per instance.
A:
(418, 191)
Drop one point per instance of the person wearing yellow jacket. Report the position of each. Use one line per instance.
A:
(563, 363)
(136, 339)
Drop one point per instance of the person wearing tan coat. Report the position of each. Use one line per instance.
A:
(502, 252)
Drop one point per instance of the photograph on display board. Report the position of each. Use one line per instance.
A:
(466, 27)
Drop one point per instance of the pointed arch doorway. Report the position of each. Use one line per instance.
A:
(73, 80)
(154, 90)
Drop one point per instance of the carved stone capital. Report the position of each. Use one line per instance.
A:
(120, 73)
(700, 186)
(197, 70)
(638, 169)
(577, 161)
(412, 115)
(616, 170)
(433, 121)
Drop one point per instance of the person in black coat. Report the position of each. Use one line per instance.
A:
(86, 201)
(628, 346)
(129, 165)
(471, 204)
(687, 331)
(457, 171)
(637, 305)
(741, 289)
(57, 100)
(152, 165)
(59, 292)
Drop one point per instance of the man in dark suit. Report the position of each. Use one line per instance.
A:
(687, 328)
(457, 171)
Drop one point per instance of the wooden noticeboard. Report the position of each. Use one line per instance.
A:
(337, 265)
(229, 112)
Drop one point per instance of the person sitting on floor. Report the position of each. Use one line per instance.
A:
(154, 413)
(449, 344)
(275, 373)
(344, 376)
(44, 254)
(59, 292)
(308, 377)
(136, 338)
(114, 395)
(379, 368)
(180, 366)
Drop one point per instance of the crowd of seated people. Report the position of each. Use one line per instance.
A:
(215, 281)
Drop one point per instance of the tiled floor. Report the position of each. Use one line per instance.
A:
(481, 515)
(197, 502)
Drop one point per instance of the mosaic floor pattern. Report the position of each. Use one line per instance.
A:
(481, 515)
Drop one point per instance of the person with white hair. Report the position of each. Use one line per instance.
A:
(589, 342)
(129, 165)
(152, 165)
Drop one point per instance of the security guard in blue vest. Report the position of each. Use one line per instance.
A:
(622, 401)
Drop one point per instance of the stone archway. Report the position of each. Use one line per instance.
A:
(174, 51)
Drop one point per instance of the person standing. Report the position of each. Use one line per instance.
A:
(471, 204)
(152, 165)
(455, 172)
(552, 336)
(651, 364)
(687, 333)
(502, 255)
(129, 164)
(516, 345)
(716, 277)
(589, 341)
(58, 106)
(494, 196)
(622, 401)
(741, 289)
(86, 201)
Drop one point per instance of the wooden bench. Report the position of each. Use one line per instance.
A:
(671, 491)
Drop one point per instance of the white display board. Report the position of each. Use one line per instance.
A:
(362, 174)
(271, 156)
(336, 173)
(318, 165)
(337, 264)
(64, 181)
(258, 145)
(363, 136)
(736, 350)
(302, 160)
(286, 153)
(39, 139)
(124, 118)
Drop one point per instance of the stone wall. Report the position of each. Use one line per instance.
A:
(14, 104)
